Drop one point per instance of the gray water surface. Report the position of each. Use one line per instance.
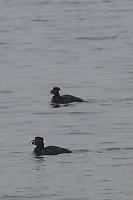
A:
(85, 47)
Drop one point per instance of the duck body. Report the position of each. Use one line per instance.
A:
(49, 150)
(64, 99)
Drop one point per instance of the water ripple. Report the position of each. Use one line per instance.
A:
(6, 91)
(97, 38)
(79, 133)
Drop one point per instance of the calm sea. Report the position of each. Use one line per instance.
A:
(85, 47)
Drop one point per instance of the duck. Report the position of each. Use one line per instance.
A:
(64, 99)
(49, 150)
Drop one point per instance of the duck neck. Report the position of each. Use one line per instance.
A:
(39, 149)
(57, 94)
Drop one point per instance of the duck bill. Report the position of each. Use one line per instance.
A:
(29, 144)
(49, 92)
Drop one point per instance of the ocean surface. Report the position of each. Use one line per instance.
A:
(85, 47)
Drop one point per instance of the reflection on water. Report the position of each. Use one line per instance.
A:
(39, 162)
(58, 105)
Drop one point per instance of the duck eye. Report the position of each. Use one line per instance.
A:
(33, 142)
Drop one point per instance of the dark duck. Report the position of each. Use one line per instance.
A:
(64, 99)
(49, 150)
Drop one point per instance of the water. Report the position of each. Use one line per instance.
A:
(85, 47)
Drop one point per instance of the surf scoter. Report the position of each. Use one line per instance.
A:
(49, 150)
(65, 99)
